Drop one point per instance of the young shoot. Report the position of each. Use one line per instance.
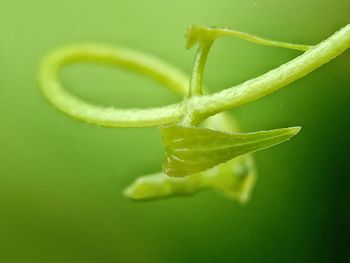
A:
(214, 155)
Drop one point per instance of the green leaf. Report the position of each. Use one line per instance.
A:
(189, 150)
(234, 179)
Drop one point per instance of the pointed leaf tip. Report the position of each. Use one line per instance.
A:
(190, 150)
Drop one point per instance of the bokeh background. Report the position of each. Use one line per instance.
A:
(61, 180)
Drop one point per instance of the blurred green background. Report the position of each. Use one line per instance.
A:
(61, 180)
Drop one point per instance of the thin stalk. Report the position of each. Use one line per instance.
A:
(196, 85)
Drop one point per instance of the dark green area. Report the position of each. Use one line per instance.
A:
(61, 180)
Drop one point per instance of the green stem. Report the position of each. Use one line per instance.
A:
(199, 107)
(196, 86)
(204, 33)
(275, 79)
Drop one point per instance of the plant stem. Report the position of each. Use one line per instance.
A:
(196, 107)
(275, 79)
(196, 86)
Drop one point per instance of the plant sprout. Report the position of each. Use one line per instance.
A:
(200, 152)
